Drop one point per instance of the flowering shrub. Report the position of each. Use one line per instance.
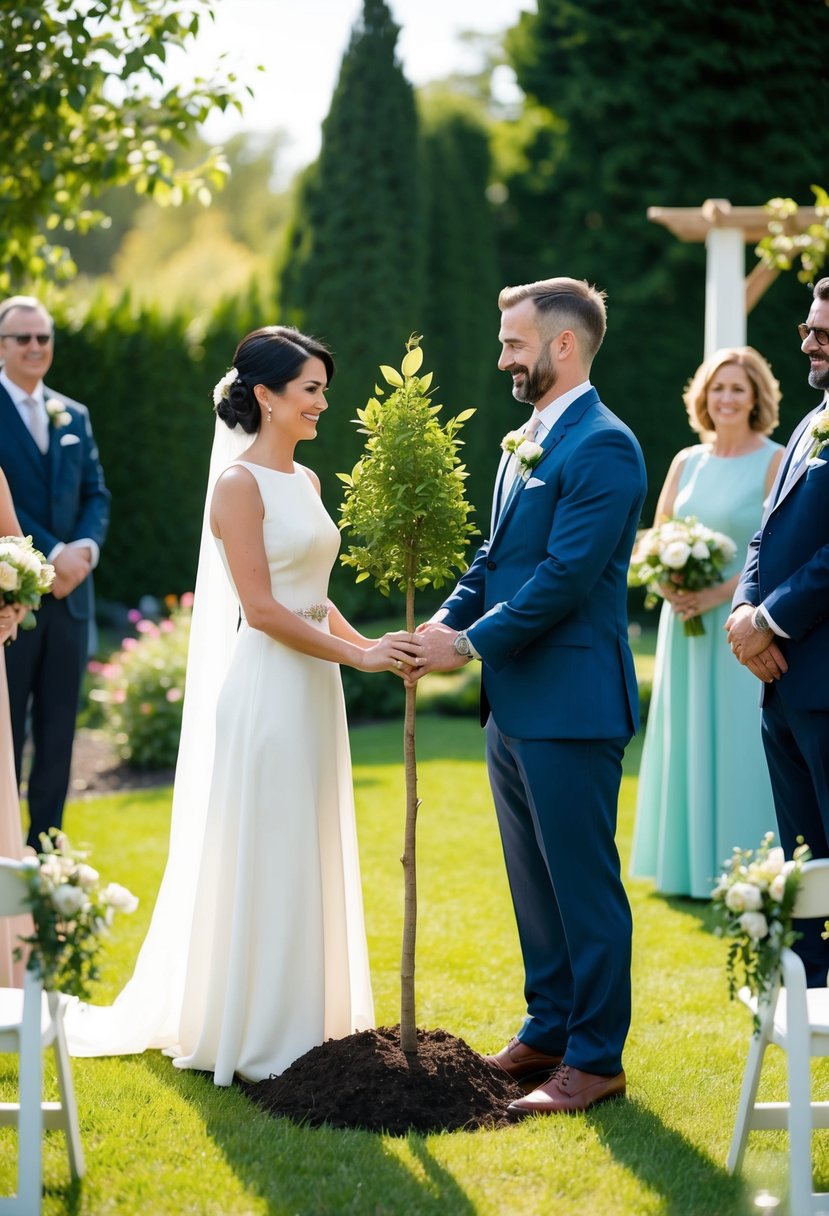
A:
(682, 552)
(753, 901)
(72, 911)
(141, 688)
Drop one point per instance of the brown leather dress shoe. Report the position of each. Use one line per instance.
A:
(523, 1063)
(567, 1091)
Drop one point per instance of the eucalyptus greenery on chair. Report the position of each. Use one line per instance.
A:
(405, 499)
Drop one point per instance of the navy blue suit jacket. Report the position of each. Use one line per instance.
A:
(545, 598)
(60, 496)
(787, 570)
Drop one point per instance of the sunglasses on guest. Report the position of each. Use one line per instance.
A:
(25, 339)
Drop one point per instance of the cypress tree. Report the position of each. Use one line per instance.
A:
(351, 270)
(460, 312)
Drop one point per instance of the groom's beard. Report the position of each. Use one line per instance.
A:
(538, 382)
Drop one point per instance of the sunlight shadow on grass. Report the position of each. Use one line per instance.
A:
(302, 1169)
(687, 1179)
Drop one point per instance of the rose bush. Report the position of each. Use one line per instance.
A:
(141, 688)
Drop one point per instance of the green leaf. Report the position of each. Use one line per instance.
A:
(412, 362)
(391, 376)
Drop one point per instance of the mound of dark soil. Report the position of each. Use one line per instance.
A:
(366, 1081)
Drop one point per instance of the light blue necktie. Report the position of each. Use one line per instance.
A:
(512, 484)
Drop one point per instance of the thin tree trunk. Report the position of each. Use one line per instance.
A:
(408, 1020)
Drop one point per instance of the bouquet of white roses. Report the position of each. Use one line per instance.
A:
(71, 911)
(25, 575)
(683, 553)
(753, 901)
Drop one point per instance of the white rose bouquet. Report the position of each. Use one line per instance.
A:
(819, 432)
(683, 553)
(25, 575)
(753, 901)
(72, 911)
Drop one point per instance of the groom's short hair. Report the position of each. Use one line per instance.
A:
(564, 303)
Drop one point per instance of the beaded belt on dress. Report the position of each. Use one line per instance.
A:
(317, 612)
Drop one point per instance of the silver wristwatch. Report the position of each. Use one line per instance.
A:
(760, 621)
(462, 645)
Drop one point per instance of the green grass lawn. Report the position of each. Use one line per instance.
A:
(160, 1141)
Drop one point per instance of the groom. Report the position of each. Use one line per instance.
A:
(50, 458)
(543, 607)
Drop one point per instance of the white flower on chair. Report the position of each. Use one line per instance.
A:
(753, 901)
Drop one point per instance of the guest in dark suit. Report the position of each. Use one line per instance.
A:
(544, 608)
(50, 458)
(779, 628)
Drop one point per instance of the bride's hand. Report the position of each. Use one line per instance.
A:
(398, 652)
(10, 617)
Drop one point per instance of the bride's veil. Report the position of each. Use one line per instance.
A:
(146, 1012)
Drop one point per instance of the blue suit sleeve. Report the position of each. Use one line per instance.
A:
(748, 589)
(802, 600)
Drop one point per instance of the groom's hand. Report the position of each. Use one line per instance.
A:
(437, 649)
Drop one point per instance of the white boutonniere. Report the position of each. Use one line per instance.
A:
(58, 413)
(819, 432)
(526, 451)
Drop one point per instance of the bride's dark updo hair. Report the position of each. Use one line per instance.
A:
(273, 356)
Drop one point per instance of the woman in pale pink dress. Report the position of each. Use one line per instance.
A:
(11, 835)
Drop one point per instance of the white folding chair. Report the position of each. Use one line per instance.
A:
(30, 1021)
(796, 1018)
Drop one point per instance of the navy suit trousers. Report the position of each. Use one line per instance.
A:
(45, 667)
(556, 801)
(796, 742)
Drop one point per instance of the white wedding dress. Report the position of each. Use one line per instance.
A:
(259, 953)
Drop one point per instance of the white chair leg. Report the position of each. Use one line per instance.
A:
(30, 1125)
(745, 1106)
(67, 1097)
(800, 1127)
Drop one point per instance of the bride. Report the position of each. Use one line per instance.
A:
(256, 951)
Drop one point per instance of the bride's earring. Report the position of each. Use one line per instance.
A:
(270, 412)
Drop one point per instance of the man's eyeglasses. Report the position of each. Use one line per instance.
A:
(821, 335)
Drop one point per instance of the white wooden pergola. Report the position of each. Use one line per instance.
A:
(726, 230)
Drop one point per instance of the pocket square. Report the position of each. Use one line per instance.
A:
(534, 481)
(815, 462)
(67, 440)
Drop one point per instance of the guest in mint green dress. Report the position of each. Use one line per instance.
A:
(703, 783)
